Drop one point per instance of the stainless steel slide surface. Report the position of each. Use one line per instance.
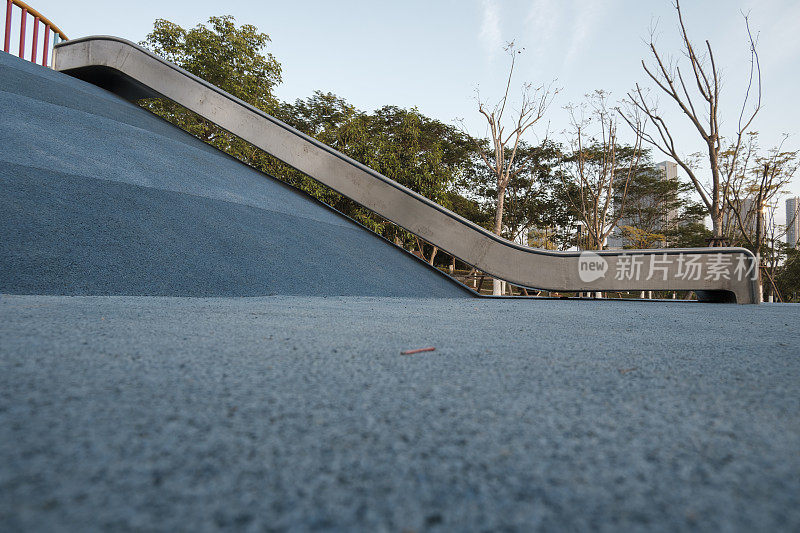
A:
(716, 274)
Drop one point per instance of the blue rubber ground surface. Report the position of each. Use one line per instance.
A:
(98, 197)
(299, 413)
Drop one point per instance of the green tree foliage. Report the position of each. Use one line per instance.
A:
(534, 199)
(418, 152)
(659, 212)
(692, 231)
(230, 57)
(335, 122)
(787, 278)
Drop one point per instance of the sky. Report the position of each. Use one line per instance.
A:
(434, 55)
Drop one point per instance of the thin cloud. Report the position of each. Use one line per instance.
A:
(490, 28)
(543, 18)
(779, 42)
(588, 17)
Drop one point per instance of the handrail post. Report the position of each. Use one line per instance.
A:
(46, 43)
(35, 39)
(22, 33)
(7, 40)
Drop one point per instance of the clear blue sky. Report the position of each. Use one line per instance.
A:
(433, 55)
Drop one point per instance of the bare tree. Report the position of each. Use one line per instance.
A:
(770, 259)
(599, 169)
(698, 98)
(506, 133)
(751, 192)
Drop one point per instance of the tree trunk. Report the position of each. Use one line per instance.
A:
(498, 216)
(761, 285)
(497, 287)
(433, 254)
(717, 237)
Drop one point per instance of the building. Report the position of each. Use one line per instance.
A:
(744, 217)
(793, 221)
(669, 171)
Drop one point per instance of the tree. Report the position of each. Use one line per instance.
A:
(658, 210)
(787, 277)
(230, 57)
(505, 136)
(751, 193)
(532, 198)
(773, 252)
(599, 170)
(698, 99)
(420, 153)
(532, 201)
(691, 232)
(535, 212)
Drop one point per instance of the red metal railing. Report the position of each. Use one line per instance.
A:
(32, 52)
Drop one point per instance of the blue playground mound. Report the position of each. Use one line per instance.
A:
(100, 197)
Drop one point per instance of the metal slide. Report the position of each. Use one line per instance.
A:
(715, 274)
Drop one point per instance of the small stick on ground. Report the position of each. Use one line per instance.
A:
(418, 350)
